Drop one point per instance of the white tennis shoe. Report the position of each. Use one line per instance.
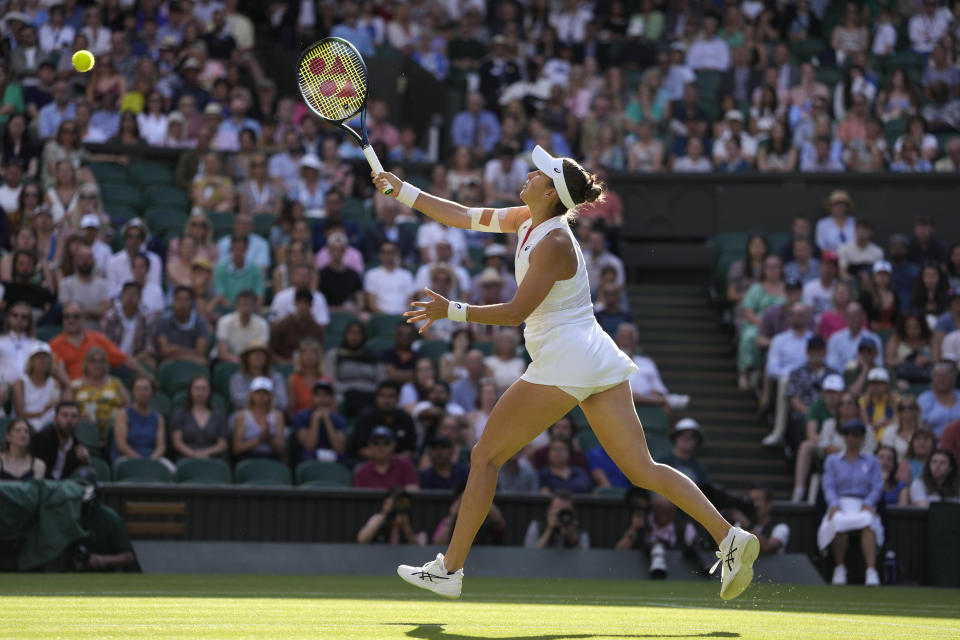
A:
(433, 576)
(736, 556)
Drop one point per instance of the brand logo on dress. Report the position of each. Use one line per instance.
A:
(556, 169)
(526, 249)
(459, 306)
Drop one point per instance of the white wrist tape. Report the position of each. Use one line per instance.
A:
(457, 311)
(408, 194)
(484, 219)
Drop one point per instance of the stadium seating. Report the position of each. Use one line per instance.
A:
(122, 194)
(262, 472)
(383, 324)
(140, 470)
(222, 372)
(200, 471)
(99, 468)
(89, 436)
(434, 349)
(108, 172)
(166, 195)
(150, 173)
(48, 332)
(654, 419)
(315, 473)
(175, 375)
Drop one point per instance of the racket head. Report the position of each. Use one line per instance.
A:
(332, 79)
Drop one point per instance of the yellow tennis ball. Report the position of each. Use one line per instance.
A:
(83, 60)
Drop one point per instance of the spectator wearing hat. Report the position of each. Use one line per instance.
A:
(177, 135)
(490, 284)
(310, 190)
(86, 287)
(495, 258)
(258, 195)
(283, 303)
(120, 266)
(878, 298)
(733, 121)
(803, 267)
(444, 472)
(825, 406)
(320, 431)
(852, 487)
(788, 351)
(687, 438)
(904, 272)
(843, 345)
(940, 404)
(475, 127)
(240, 328)
(237, 274)
(384, 469)
(878, 404)
(838, 227)
(37, 391)
(256, 362)
(818, 293)
(340, 286)
(258, 427)
(947, 323)
(90, 230)
(181, 334)
(388, 287)
(859, 253)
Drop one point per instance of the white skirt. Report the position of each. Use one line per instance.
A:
(576, 355)
(848, 518)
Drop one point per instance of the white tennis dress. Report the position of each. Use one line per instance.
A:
(568, 348)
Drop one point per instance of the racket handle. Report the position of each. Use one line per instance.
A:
(374, 162)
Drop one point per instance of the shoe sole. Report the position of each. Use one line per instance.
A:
(401, 570)
(744, 576)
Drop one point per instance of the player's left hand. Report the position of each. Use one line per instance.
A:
(428, 310)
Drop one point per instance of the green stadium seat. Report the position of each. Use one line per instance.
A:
(578, 418)
(141, 470)
(151, 173)
(379, 344)
(285, 370)
(806, 49)
(99, 468)
(383, 324)
(166, 195)
(339, 321)
(48, 332)
(829, 76)
(222, 223)
(318, 473)
(476, 256)
(222, 372)
(161, 404)
(175, 375)
(654, 419)
(587, 440)
(729, 241)
(119, 213)
(4, 423)
(434, 349)
(263, 472)
(777, 240)
(659, 445)
(89, 436)
(166, 222)
(120, 194)
(616, 492)
(262, 223)
(199, 471)
(893, 129)
(332, 340)
(106, 172)
(486, 347)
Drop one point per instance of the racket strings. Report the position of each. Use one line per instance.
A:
(333, 80)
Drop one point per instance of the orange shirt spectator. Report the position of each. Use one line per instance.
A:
(71, 354)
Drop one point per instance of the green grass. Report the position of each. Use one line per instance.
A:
(171, 606)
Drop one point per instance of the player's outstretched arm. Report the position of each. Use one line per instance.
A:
(452, 214)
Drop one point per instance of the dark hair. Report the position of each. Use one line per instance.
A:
(865, 223)
(140, 256)
(891, 477)
(902, 326)
(153, 384)
(247, 294)
(63, 404)
(767, 491)
(747, 264)
(238, 239)
(188, 401)
(183, 288)
(29, 254)
(563, 494)
(346, 330)
(951, 269)
(583, 186)
(130, 284)
(918, 302)
(5, 445)
(388, 384)
(951, 484)
(303, 295)
(29, 314)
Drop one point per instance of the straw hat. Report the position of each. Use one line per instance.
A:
(840, 195)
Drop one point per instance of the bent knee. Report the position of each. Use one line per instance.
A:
(483, 457)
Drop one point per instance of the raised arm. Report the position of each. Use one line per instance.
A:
(453, 214)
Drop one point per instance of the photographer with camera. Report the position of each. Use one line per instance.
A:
(392, 525)
(562, 529)
(656, 529)
(107, 547)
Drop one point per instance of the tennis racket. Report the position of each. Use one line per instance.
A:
(333, 82)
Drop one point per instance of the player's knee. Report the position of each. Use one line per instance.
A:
(483, 457)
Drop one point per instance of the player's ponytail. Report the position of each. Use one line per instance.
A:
(584, 187)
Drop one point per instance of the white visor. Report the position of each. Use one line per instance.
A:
(553, 167)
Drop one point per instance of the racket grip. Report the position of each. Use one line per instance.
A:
(374, 162)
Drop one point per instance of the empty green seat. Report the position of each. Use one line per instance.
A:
(578, 418)
(119, 213)
(262, 471)
(48, 332)
(434, 349)
(97, 466)
(4, 423)
(319, 473)
(806, 49)
(217, 401)
(587, 440)
(151, 173)
(339, 321)
(486, 347)
(199, 471)
(140, 470)
(383, 324)
(89, 436)
(610, 491)
(262, 223)
(161, 404)
(654, 419)
(222, 372)
(175, 375)
(222, 223)
(659, 445)
(379, 344)
(106, 172)
(166, 195)
(121, 194)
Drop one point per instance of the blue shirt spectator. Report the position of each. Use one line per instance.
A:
(51, 116)
(843, 345)
(356, 35)
(475, 126)
(861, 478)
(792, 271)
(577, 481)
(936, 415)
(302, 421)
(598, 459)
(258, 250)
(444, 472)
(788, 350)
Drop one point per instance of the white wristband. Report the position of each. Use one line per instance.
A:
(408, 194)
(457, 311)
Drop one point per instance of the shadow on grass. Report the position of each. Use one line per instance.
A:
(437, 632)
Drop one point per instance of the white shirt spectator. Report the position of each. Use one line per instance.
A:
(679, 76)
(571, 26)
(203, 10)
(422, 279)
(950, 347)
(685, 164)
(99, 40)
(101, 255)
(788, 351)
(429, 234)
(54, 39)
(236, 336)
(283, 304)
(14, 350)
(884, 39)
(918, 493)
(781, 532)
(709, 54)
(506, 182)
(850, 253)
(391, 289)
(153, 128)
(505, 373)
(926, 31)
(152, 300)
(399, 37)
(748, 146)
(10, 198)
(457, 8)
(595, 265)
(817, 297)
(118, 270)
(646, 379)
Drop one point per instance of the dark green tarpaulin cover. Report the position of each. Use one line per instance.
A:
(44, 514)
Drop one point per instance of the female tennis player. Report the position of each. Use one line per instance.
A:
(573, 362)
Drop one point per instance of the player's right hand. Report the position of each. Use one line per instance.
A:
(382, 180)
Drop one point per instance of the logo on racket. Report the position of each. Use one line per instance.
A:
(328, 88)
